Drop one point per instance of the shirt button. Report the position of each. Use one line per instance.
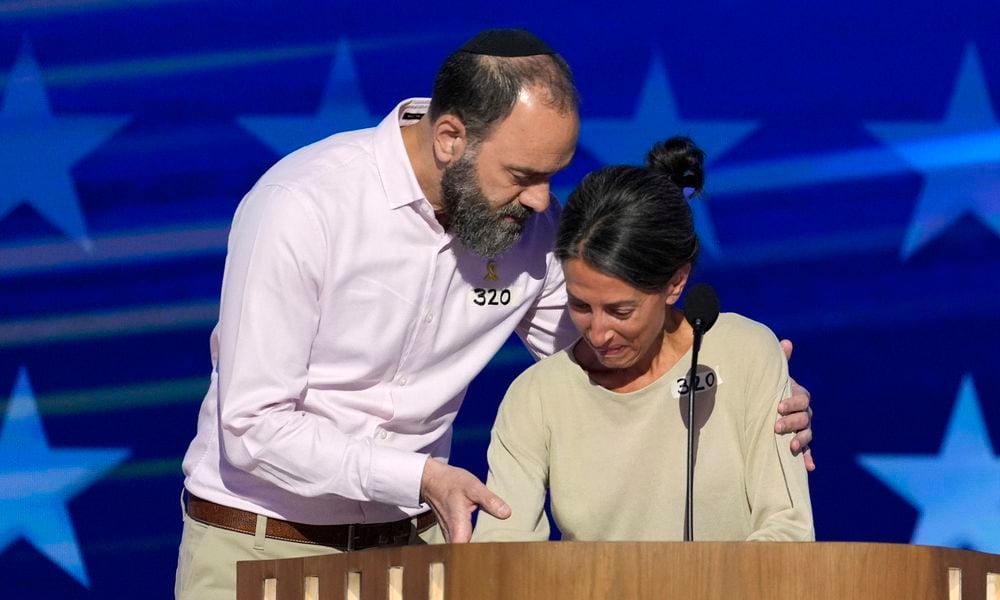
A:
(402, 381)
(428, 318)
(383, 434)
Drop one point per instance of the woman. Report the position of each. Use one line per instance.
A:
(600, 426)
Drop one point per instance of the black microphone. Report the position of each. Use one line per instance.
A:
(701, 309)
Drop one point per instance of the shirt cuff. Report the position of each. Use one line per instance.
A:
(395, 476)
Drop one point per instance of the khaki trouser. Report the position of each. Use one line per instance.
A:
(206, 562)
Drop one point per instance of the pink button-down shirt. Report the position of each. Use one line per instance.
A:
(350, 326)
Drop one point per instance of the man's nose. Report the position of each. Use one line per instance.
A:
(536, 197)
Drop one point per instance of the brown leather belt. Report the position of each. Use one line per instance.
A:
(342, 537)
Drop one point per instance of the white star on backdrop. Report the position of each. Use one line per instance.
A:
(959, 157)
(656, 117)
(38, 150)
(341, 109)
(956, 491)
(37, 481)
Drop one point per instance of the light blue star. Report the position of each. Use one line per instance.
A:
(37, 150)
(341, 109)
(958, 490)
(626, 141)
(969, 180)
(37, 481)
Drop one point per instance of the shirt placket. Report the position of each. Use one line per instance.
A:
(425, 316)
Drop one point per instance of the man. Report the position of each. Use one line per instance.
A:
(370, 277)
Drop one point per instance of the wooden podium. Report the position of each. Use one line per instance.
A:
(626, 570)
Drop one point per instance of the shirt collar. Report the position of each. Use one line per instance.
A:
(395, 170)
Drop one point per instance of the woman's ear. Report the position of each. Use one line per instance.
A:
(449, 138)
(677, 283)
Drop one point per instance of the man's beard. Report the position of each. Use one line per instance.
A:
(487, 233)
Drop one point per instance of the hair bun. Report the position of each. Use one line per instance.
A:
(679, 159)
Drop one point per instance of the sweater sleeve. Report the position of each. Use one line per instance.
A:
(777, 484)
(518, 466)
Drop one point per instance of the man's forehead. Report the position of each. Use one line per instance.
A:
(535, 125)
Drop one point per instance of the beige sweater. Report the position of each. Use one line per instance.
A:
(614, 464)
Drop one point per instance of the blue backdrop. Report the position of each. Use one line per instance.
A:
(853, 205)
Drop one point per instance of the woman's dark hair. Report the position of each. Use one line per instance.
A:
(482, 90)
(634, 223)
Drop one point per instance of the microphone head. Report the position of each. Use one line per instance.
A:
(701, 307)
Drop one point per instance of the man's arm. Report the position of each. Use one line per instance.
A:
(796, 416)
(546, 327)
(270, 315)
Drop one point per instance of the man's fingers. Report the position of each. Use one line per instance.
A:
(796, 416)
(797, 402)
(786, 345)
(802, 440)
(457, 525)
(491, 503)
(456, 528)
(455, 521)
(443, 524)
(795, 422)
(810, 463)
(459, 530)
(454, 494)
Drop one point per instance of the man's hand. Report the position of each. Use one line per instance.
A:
(453, 495)
(796, 416)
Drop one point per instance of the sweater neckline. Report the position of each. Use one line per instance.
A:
(675, 372)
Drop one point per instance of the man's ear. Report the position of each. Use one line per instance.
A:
(450, 138)
(677, 283)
